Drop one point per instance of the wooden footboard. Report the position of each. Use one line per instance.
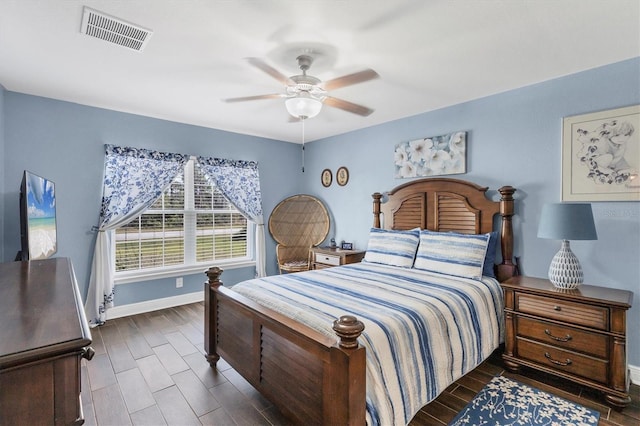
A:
(311, 378)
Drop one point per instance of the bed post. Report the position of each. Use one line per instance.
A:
(376, 209)
(507, 268)
(210, 314)
(346, 382)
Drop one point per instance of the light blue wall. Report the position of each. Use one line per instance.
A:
(64, 142)
(514, 138)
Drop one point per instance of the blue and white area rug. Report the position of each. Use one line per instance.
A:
(507, 402)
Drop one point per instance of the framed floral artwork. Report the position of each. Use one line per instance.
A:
(601, 156)
(326, 178)
(342, 176)
(433, 156)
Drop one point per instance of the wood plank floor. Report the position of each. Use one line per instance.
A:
(149, 369)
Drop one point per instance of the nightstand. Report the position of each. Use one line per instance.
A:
(576, 334)
(321, 257)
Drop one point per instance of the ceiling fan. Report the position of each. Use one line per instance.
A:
(305, 94)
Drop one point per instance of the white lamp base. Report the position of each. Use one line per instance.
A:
(565, 271)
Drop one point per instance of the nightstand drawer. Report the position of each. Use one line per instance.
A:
(327, 259)
(564, 337)
(563, 310)
(563, 360)
(321, 266)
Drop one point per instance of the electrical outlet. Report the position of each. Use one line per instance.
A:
(179, 282)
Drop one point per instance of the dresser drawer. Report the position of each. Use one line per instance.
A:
(563, 310)
(327, 259)
(563, 360)
(564, 337)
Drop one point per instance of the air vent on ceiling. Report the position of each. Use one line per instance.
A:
(114, 30)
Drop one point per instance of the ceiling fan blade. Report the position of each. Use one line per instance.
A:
(347, 106)
(255, 98)
(347, 80)
(263, 66)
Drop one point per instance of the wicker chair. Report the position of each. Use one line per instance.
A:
(298, 223)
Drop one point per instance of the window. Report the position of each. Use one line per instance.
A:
(191, 224)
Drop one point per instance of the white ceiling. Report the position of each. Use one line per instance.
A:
(429, 54)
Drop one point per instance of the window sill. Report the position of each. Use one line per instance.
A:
(138, 276)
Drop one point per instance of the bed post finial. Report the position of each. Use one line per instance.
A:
(507, 268)
(214, 275)
(348, 329)
(376, 209)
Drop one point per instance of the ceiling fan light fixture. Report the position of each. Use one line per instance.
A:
(303, 106)
(305, 94)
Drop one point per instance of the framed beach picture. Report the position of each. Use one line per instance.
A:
(601, 156)
(432, 156)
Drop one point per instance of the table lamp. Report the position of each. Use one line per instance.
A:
(560, 221)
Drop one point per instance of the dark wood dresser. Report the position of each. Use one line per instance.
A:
(576, 334)
(43, 336)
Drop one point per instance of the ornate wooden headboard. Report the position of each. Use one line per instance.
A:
(442, 204)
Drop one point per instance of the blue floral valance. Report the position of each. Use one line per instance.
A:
(230, 176)
(134, 178)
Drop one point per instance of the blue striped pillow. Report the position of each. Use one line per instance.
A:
(395, 248)
(452, 253)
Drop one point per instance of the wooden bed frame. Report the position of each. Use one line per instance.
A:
(313, 379)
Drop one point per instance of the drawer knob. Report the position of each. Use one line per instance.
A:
(563, 364)
(88, 353)
(557, 308)
(559, 339)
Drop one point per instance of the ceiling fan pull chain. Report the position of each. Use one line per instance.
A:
(302, 145)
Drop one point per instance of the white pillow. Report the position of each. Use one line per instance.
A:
(452, 253)
(395, 248)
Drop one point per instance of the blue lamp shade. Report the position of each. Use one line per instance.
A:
(566, 222)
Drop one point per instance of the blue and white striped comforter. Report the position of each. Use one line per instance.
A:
(422, 330)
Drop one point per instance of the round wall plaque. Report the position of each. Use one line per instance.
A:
(326, 178)
(342, 176)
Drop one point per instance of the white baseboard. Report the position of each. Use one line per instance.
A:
(634, 371)
(154, 305)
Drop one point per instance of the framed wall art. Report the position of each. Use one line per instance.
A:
(342, 176)
(326, 177)
(433, 156)
(601, 156)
